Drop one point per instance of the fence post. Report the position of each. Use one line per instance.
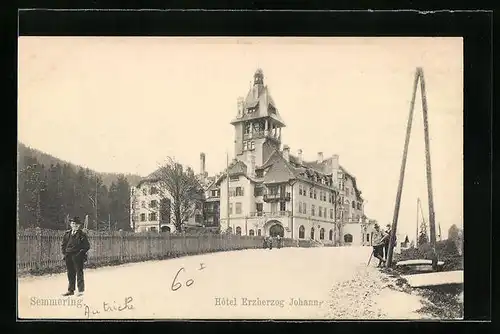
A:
(40, 247)
(121, 245)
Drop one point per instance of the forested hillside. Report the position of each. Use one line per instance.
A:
(50, 190)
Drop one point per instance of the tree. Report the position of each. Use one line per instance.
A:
(183, 189)
(119, 203)
(453, 232)
(422, 238)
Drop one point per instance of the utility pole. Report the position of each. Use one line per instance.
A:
(416, 235)
(402, 173)
(429, 170)
(419, 74)
(96, 223)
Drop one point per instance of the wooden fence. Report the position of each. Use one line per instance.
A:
(39, 249)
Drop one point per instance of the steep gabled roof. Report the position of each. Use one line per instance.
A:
(279, 171)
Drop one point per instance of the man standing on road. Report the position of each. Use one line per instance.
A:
(379, 238)
(75, 246)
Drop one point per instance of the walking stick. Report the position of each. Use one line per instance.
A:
(369, 259)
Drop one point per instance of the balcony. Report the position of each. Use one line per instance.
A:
(270, 214)
(277, 197)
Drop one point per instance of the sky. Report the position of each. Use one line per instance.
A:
(124, 104)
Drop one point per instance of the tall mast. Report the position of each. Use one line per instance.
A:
(432, 222)
(402, 173)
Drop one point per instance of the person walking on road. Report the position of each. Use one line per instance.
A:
(75, 246)
(379, 237)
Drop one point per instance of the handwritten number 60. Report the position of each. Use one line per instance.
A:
(176, 285)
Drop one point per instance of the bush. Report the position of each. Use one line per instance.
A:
(446, 251)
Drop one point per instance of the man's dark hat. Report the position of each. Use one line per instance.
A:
(76, 220)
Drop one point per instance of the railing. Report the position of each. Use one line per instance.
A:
(278, 196)
(270, 214)
(41, 249)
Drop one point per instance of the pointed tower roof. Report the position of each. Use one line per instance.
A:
(259, 97)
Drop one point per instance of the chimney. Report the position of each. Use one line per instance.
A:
(320, 157)
(335, 162)
(240, 106)
(286, 152)
(202, 163)
(299, 156)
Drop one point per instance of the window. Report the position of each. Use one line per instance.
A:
(300, 189)
(245, 145)
(143, 204)
(251, 145)
(144, 191)
(330, 236)
(230, 208)
(259, 173)
(348, 238)
(238, 208)
(359, 206)
(314, 193)
(152, 216)
(259, 232)
(368, 237)
(313, 208)
(153, 229)
(311, 193)
(153, 190)
(322, 234)
(304, 208)
(251, 233)
(312, 233)
(198, 218)
(302, 232)
(324, 212)
(258, 207)
(321, 195)
(282, 206)
(153, 204)
(143, 217)
(247, 128)
(353, 204)
(238, 230)
(239, 191)
(331, 213)
(300, 207)
(258, 191)
(320, 211)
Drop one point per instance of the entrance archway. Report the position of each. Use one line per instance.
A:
(348, 238)
(165, 229)
(275, 228)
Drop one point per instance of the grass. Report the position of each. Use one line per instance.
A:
(441, 302)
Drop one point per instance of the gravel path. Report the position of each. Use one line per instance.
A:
(300, 283)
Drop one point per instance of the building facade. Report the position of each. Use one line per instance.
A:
(268, 191)
(151, 206)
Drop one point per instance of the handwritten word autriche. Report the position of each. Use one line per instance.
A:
(109, 307)
(177, 285)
